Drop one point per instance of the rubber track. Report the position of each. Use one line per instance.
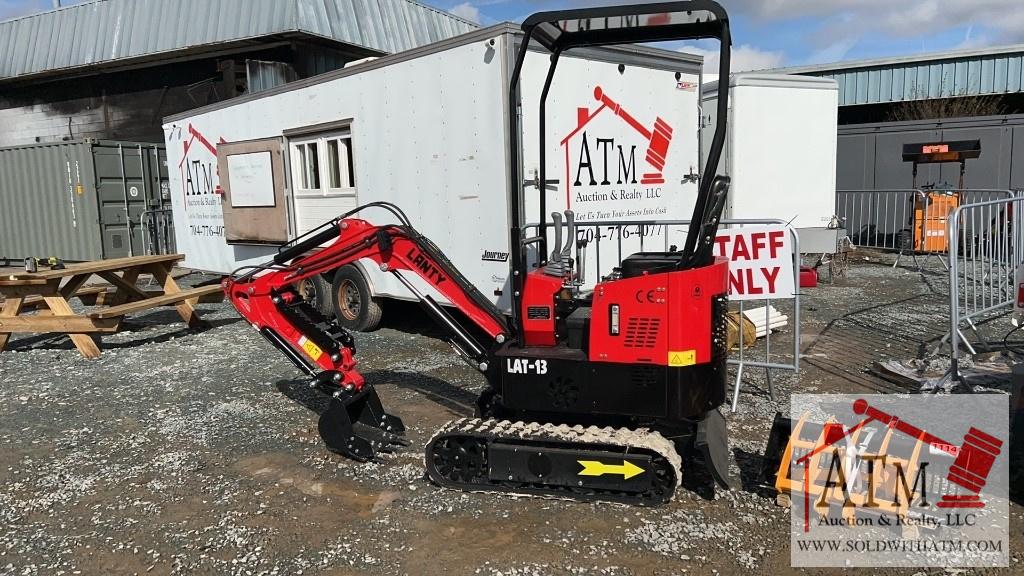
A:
(562, 436)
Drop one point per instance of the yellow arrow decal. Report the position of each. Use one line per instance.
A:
(596, 468)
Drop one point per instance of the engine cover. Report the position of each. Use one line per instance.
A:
(674, 319)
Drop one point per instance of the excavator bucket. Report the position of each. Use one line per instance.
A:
(793, 440)
(357, 427)
(800, 454)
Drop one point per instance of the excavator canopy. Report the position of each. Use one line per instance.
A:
(635, 23)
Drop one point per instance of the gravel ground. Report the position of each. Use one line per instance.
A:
(181, 452)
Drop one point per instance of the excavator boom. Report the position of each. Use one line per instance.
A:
(267, 297)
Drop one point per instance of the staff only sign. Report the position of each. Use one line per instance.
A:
(760, 261)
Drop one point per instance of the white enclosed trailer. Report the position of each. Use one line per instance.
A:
(780, 151)
(427, 130)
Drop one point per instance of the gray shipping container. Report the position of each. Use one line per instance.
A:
(79, 200)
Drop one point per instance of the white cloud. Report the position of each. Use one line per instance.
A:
(742, 59)
(846, 21)
(467, 11)
(833, 52)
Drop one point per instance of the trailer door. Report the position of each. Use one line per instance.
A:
(323, 177)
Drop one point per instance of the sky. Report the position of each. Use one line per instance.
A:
(775, 33)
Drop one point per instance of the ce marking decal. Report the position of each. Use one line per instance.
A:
(641, 295)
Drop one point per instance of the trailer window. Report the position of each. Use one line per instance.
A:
(322, 174)
(330, 152)
(308, 166)
(339, 161)
(313, 165)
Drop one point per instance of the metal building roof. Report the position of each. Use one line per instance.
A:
(110, 31)
(996, 70)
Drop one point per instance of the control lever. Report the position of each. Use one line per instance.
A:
(570, 231)
(581, 258)
(561, 262)
(556, 254)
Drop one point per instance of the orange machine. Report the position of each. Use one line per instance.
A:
(933, 206)
(932, 209)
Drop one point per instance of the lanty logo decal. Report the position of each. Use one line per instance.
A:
(601, 173)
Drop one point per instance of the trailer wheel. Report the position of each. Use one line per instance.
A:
(317, 292)
(354, 306)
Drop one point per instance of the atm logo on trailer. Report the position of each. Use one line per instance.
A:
(198, 166)
(600, 169)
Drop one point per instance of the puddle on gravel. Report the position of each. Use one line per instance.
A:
(283, 471)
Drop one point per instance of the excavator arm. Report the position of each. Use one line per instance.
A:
(267, 297)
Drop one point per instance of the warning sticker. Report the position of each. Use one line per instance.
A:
(312, 349)
(682, 357)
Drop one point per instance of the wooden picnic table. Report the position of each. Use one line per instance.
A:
(49, 292)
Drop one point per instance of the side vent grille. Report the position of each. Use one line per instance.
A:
(642, 332)
(643, 376)
(720, 326)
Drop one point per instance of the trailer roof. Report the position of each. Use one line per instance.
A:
(624, 53)
(772, 80)
(112, 33)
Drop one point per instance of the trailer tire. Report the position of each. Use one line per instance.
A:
(318, 293)
(355, 307)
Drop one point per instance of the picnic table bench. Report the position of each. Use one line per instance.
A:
(47, 292)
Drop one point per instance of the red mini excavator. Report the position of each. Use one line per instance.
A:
(591, 394)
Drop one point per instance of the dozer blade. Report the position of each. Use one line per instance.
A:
(357, 427)
(778, 440)
(713, 442)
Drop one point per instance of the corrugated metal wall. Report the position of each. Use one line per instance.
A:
(869, 156)
(386, 25)
(969, 76)
(108, 30)
(41, 214)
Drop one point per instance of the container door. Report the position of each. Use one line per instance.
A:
(154, 165)
(123, 190)
(158, 220)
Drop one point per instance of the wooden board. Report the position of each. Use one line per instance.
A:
(95, 267)
(89, 295)
(101, 295)
(139, 306)
(61, 324)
